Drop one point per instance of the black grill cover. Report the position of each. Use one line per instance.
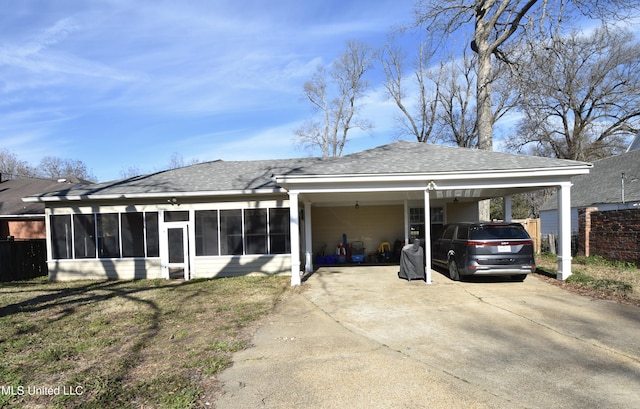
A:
(412, 262)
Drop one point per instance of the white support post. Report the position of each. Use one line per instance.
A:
(427, 238)
(294, 232)
(564, 233)
(407, 227)
(506, 207)
(308, 262)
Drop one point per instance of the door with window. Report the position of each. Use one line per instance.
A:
(175, 251)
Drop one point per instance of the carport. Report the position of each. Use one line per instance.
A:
(416, 174)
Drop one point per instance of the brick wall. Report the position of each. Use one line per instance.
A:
(613, 234)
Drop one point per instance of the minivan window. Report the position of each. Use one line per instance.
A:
(448, 234)
(463, 232)
(498, 232)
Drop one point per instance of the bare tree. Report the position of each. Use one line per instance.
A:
(581, 95)
(12, 168)
(337, 115)
(443, 97)
(495, 23)
(455, 94)
(177, 161)
(417, 120)
(54, 167)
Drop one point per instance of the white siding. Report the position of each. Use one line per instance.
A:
(549, 222)
(104, 269)
(229, 266)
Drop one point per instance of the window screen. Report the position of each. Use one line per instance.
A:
(84, 234)
(61, 236)
(108, 235)
(153, 235)
(231, 232)
(279, 240)
(132, 234)
(207, 233)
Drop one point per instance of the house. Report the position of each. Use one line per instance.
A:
(612, 184)
(225, 218)
(20, 220)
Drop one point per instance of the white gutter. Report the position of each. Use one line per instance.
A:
(22, 216)
(158, 195)
(440, 176)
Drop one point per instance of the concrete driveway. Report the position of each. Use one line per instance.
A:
(359, 337)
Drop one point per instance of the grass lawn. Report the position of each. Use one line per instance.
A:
(125, 344)
(595, 277)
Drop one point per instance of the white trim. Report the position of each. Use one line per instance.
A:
(161, 195)
(564, 236)
(308, 259)
(427, 237)
(419, 177)
(295, 238)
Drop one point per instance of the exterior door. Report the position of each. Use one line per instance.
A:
(177, 251)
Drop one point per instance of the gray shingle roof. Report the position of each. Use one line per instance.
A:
(202, 177)
(603, 183)
(415, 157)
(12, 192)
(399, 157)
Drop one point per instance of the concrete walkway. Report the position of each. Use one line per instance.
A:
(359, 337)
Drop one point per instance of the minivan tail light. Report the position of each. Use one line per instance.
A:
(499, 243)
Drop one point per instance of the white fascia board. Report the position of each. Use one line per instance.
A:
(154, 195)
(22, 216)
(440, 176)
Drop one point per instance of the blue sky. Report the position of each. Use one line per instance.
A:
(121, 83)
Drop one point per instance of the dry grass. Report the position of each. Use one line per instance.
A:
(596, 277)
(115, 344)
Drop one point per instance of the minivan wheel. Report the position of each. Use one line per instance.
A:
(519, 277)
(454, 274)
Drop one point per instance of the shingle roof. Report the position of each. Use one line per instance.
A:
(415, 157)
(399, 157)
(12, 192)
(603, 184)
(202, 177)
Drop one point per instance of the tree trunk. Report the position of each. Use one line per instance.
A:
(485, 120)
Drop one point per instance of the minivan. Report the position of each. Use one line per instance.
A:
(485, 249)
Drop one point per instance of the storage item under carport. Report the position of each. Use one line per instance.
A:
(357, 251)
(412, 262)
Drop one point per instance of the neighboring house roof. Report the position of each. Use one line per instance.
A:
(603, 184)
(12, 192)
(258, 176)
(635, 143)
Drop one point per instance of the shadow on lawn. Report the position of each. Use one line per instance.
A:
(104, 380)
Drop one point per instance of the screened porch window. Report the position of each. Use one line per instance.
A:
(255, 230)
(104, 235)
(279, 231)
(108, 235)
(207, 233)
(84, 234)
(231, 232)
(132, 234)
(61, 236)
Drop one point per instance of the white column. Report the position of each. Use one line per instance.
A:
(506, 207)
(564, 233)
(427, 238)
(406, 222)
(308, 262)
(294, 233)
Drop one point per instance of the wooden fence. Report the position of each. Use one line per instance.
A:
(533, 228)
(22, 260)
